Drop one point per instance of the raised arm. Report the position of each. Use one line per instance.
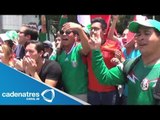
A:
(114, 76)
(112, 28)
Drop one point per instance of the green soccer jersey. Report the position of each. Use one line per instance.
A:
(74, 71)
(141, 80)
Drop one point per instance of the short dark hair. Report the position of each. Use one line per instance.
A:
(100, 20)
(32, 30)
(157, 31)
(39, 45)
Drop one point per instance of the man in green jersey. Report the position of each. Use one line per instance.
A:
(146, 72)
(72, 60)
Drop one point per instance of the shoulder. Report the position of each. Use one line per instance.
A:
(51, 65)
(51, 62)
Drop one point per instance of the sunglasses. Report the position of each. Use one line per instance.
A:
(67, 32)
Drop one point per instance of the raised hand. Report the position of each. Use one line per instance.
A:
(71, 26)
(95, 41)
(115, 61)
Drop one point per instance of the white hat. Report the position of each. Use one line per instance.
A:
(9, 35)
(4, 37)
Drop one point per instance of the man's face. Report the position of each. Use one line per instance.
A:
(31, 52)
(67, 37)
(96, 30)
(57, 41)
(124, 36)
(147, 40)
(21, 36)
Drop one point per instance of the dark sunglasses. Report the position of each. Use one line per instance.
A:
(67, 32)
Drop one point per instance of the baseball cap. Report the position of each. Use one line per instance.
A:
(134, 25)
(12, 34)
(4, 37)
(48, 43)
(9, 35)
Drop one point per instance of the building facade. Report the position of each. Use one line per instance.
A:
(13, 22)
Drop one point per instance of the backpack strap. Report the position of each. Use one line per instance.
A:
(156, 92)
(129, 65)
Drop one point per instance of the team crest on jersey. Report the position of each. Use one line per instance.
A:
(66, 59)
(74, 64)
(145, 84)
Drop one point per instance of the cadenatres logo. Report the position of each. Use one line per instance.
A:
(51, 95)
(48, 95)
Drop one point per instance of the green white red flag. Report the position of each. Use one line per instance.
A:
(85, 20)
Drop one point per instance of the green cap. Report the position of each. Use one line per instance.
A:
(134, 25)
(12, 35)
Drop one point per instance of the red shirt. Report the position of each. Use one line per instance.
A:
(107, 49)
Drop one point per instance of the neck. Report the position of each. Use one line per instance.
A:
(69, 47)
(40, 63)
(151, 59)
(5, 61)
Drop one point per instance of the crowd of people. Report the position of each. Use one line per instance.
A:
(90, 66)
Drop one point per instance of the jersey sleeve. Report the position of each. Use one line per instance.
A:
(113, 76)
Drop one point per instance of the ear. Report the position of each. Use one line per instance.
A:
(41, 53)
(105, 31)
(28, 37)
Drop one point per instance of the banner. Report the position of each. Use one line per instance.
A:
(17, 88)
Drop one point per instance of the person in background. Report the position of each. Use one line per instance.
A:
(10, 38)
(48, 49)
(6, 55)
(111, 33)
(27, 32)
(127, 40)
(58, 45)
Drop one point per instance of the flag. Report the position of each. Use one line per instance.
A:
(85, 20)
(139, 18)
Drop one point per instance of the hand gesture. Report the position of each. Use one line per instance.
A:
(95, 41)
(115, 61)
(30, 65)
